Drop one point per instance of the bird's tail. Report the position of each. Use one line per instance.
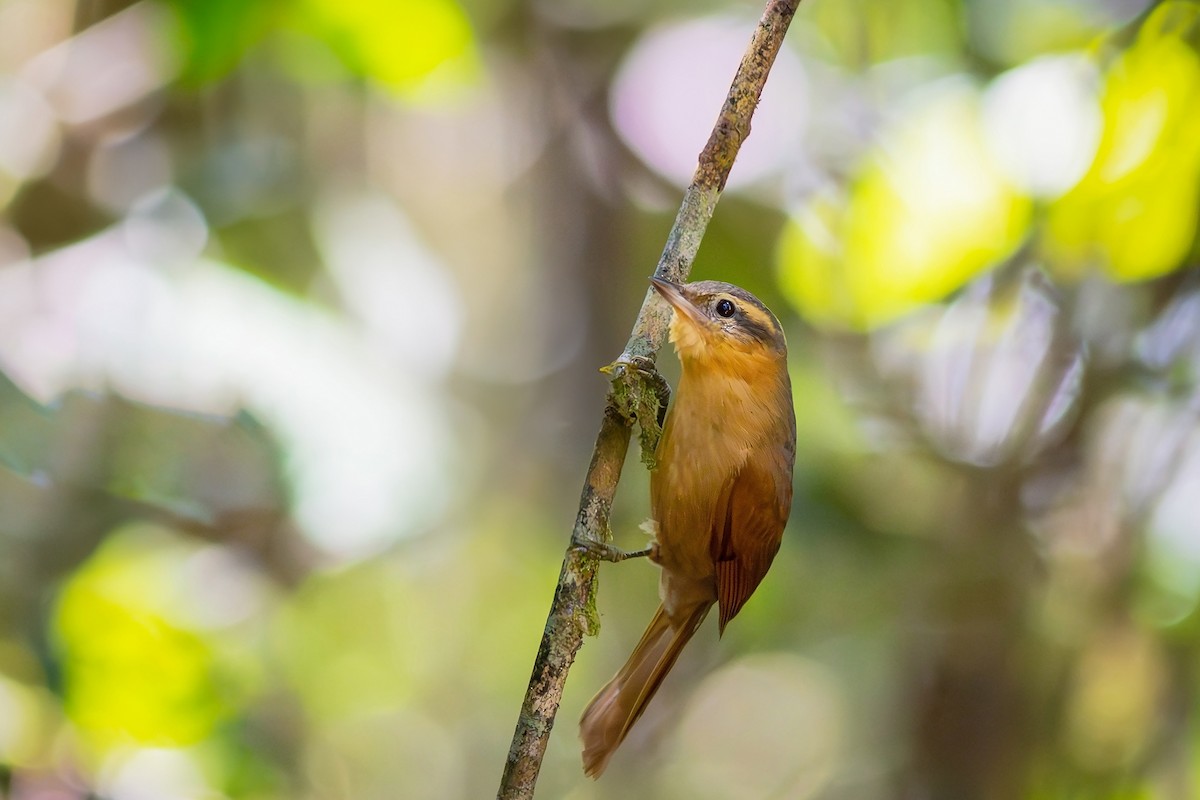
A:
(621, 702)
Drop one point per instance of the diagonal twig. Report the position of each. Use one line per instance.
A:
(572, 612)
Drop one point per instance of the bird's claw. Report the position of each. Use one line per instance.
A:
(607, 552)
(662, 390)
(647, 370)
(641, 394)
(640, 363)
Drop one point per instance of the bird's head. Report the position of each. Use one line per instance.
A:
(717, 323)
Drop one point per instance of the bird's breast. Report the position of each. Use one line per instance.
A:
(710, 431)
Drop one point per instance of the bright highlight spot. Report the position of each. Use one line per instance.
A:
(1174, 526)
(367, 441)
(29, 136)
(166, 228)
(928, 212)
(993, 376)
(389, 280)
(108, 66)
(664, 97)
(1042, 123)
(154, 774)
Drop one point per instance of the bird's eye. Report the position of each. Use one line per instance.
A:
(725, 308)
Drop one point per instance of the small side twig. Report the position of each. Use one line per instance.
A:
(572, 614)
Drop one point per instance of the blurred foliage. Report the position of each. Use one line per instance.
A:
(923, 217)
(397, 44)
(1137, 205)
(301, 307)
(932, 209)
(214, 36)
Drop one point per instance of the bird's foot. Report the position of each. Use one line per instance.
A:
(648, 371)
(640, 394)
(610, 552)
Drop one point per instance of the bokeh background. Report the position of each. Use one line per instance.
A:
(301, 309)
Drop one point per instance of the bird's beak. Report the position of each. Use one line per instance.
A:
(674, 294)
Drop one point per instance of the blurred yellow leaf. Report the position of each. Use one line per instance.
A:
(1135, 210)
(928, 212)
(1116, 687)
(130, 670)
(400, 44)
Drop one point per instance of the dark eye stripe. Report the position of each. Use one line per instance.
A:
(757, 330)
(759, 318)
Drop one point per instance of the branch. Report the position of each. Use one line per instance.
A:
(572, 613)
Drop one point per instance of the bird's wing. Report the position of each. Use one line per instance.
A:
(748, 526)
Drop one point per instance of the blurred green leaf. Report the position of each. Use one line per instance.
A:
(26, 428)
(216, 34)
(403, 45)
(1014, 31)
(870, 31)
(342, 669)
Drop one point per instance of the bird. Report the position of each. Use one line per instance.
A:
(720, 494)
